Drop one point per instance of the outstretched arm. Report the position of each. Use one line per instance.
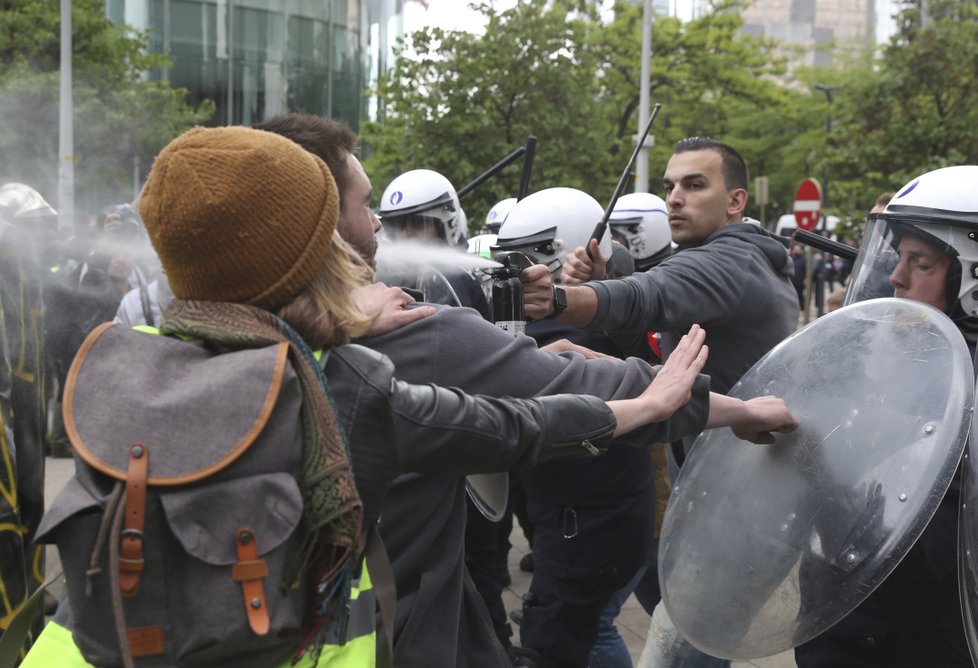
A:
(754, 420)
(538, 298)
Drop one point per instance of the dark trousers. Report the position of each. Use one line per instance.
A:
(561, 614)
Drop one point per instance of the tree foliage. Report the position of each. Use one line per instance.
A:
(457, 103)
(121, 118)
(911, 108)
(462, 103)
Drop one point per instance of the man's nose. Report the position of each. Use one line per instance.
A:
(897, 276)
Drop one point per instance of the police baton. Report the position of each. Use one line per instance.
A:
(531, 149)
(602, 226)
(824, 244)
(492, 171)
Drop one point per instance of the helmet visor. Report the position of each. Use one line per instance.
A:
(538, 247)
(905, 259)
(415, 226)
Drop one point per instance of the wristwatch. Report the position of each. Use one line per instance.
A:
(560, 302)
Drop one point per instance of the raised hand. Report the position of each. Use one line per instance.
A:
(579, 268)
(673, 384)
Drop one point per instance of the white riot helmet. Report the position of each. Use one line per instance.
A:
(941, 208)
(551, 223)
(642, 222)
(497, 214)
(20, 203)
(423, 201)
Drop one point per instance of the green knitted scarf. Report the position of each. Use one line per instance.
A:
(332, 510)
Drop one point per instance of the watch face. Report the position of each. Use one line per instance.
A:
(560, 302)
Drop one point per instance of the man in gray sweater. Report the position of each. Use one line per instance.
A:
(730, 276)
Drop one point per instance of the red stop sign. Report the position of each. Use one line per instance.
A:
(808, 204)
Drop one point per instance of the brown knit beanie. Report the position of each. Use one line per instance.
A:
(239, 215)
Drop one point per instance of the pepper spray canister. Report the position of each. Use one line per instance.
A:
(507, 293)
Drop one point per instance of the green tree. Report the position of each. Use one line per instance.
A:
(556, 69)
(711, 80)
(911, 108)
(121, 118)
(463, 102)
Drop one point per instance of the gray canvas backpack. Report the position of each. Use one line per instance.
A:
(180, 525)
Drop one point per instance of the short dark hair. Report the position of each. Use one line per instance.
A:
(328, 139)
(735, 173)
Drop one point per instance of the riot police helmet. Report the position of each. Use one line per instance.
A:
(640, 222)
(939, 209)
(550, 223)
(423, 204)
(497, 214)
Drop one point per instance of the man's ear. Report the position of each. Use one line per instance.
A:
(738, 202)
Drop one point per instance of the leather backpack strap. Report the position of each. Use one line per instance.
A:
(250, 570)
(382, 577)
(131, 560)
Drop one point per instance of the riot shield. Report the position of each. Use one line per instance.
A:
(968, 545)
(765, 547)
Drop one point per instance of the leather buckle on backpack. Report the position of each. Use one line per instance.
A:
(250, 570)
(131, 562)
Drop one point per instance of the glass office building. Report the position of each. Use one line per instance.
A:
(257, 58)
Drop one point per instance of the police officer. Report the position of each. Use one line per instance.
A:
(593, 526)
(925, 240)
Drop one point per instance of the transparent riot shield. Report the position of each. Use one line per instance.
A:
(765, 547)
(968, 545)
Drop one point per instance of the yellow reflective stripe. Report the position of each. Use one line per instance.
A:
(356, 653)
(55, 647)
(146, 329)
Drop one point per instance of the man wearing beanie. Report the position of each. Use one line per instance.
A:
(442, 621)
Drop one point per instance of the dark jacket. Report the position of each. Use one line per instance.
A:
(394, 427)
(441, 619)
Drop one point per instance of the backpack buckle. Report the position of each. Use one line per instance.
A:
(131, 562)
(250, 570)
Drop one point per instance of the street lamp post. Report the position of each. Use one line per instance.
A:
(820, 274)
(642, 164)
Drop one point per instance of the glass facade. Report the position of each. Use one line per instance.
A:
(257, 58)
